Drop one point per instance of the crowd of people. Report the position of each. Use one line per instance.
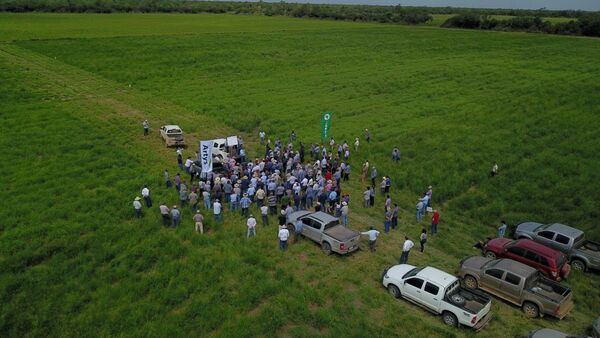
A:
(289, 177)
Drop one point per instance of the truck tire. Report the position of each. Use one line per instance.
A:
(457, 299)
(490, 254)
(326, 247)
(394, 291)
(578, 265)
(470, 282)
(531, 310)
(449, 319)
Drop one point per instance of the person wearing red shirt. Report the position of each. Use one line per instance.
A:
(434, 221)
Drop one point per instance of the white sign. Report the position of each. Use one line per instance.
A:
(206, 156)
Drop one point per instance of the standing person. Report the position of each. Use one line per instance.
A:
(494, 170)
(297, 230)
(396, 155)
(372, 196)
(137, 206)
(367, 197)
(260, 197)
(388, 219)
(356, 144)
(217, 211)
(251, 223)
(264, 212)
(345, 211)
(167, 179)
(199, 222)
(502, 229)
(365, 171)
(206, 199)
(183, 197)
(382, 186)
(419, 211)
(283, 235)
(146, 196)
(282, 217)
(175, 214)
(272, 200)
(372, 233)
(435, 218)
(367, 135)
(164, 212)
(146, 125)
(395, 212)
(261, 134)
(245, 204)
(180, 159)
(373, 175)
(193, 197)
(177, 180)
(408, 244)
(388, 203)
(293, 136)
(423, 239)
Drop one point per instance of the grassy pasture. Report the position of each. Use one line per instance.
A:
(75, 263)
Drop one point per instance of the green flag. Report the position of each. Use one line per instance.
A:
(325, 125)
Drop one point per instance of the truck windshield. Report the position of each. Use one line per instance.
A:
(412, 273)
(331, 224)
(579, 240)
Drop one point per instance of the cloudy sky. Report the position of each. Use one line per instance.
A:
(589, 5)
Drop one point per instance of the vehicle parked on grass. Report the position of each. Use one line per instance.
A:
(552, 263)
(172, 135)
(583, 254)
(327, 231)
(549, 333)
(596, 328)
(226, 148)
(440, 293)
(519, 284)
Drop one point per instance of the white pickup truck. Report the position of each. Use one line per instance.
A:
(440, 293)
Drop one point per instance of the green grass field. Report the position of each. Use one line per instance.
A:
(75, 88)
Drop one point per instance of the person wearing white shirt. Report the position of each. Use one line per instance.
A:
(217, 210)
(372, 233)
(188, 165)
(264, 212)
(408, 244)
(146, 195)
(137, 206)
(284, 234)
(251, 223)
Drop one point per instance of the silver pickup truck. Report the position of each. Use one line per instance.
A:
(583, 254)
(327, 231)
(519, 284)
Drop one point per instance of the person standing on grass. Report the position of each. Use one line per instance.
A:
(388, 203)
(356, 144)
(177, 181)
(298, 230)
(146, 196)
(206, 199)
(245, 204)
(365, 171)
(282, 217)
(272, 200)
(217, 211)
(388, 184)
(367, 135)
(345, 211)
(382, 186)
(199, 222)
(373, 175)
(164, 213)
(373, 234)
(435, 218)
(264, 213)
(423, 239)
(283, 235)
(396, 155)
(494, 170)
(372, 196)
(367, 197)
(167, 179)
(395, 212)
(183, 197)
(419, 211)
(293, 136)
(502, 229)
(137, 207)
(175, 214)
(408, 244)
(388, 219)
(146, 125)
(193, 198)
(261, 134)
(251, 223)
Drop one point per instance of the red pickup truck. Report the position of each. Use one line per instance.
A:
(548, 261)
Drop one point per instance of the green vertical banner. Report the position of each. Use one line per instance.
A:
(325, 125)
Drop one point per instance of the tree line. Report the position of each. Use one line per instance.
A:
(587, 25)
(583, 23)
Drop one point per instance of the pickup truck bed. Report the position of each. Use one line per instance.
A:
(341, 233)
(474, 300)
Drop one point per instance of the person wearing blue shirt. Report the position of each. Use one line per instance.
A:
(175, 214)
(502, 229)
(245, 204)
(297, 230)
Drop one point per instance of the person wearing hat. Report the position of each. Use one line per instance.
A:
(282, 217)
(245, 203)
(345, 211)
(137, 206)
(372, 233)
(199, 222)
(175, 214)
(146, 196)
(283, 235)
(217, 210)
(367, 135)
(251, 223)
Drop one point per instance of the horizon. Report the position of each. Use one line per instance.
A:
(583, 5)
